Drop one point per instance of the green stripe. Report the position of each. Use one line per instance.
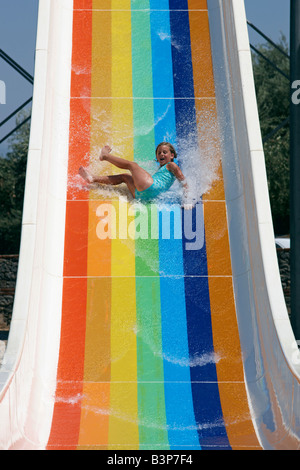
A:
(151, 399)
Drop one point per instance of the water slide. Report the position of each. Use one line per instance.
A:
(147, 326)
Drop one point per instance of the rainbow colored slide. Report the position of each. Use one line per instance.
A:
(147, 326)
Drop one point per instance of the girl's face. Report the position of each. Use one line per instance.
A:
(164, 155)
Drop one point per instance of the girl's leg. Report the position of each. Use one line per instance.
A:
(141, 178)
(109, 180)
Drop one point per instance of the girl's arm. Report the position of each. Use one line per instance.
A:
(173, 168)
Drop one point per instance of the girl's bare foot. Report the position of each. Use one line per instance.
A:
(85, 175)
(104, 152)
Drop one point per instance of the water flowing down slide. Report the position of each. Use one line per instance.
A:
(147, 326)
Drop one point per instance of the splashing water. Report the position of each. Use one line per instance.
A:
(199, 158)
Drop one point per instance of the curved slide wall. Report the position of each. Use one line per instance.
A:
(147, 327)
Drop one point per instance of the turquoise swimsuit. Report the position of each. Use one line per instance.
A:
(162, 181)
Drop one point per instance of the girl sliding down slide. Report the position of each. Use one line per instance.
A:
(140, 183)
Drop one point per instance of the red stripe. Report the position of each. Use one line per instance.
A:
(67, 410)
(66, 416)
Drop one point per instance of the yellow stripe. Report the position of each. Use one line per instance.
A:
(123, 423)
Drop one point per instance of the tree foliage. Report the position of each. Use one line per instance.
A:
(273, 99)
(12, 183)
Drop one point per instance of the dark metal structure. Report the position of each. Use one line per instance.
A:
(27, 77)
(295, 165)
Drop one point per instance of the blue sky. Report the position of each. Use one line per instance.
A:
(271, 16)
(18, 24)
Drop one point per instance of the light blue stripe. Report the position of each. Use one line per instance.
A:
(182, 431)
(164, 109)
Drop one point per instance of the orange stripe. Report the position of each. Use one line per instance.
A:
(230, 374)
(216, 232)
(94, 425)
(200, 39)
(226, 339)
(210, 147)
(204, 90)
(99, 251)
(198, 4)
(96, 392)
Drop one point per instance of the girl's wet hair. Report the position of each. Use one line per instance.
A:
(171, 148)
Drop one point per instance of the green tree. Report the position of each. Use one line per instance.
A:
(273, 99)
(12, 183)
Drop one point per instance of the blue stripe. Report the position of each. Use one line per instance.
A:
(179, 401)
(183, 77)
(207, 406)
(182, 431)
